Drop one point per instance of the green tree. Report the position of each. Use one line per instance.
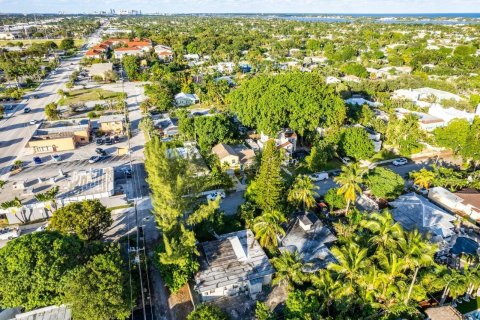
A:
(318, 157)
(52, 112)
(355, 143)
(303, 191)
(67, 44)
(423, 177)
(334, 199)
(384, 183)
(132, 67)
(98, 289)
(262, 312)
(88, 219)
(300, 101)
(349, 180)
(213, 129)
(355, 69)
(48, 198)
(207, 312)
(269, 182)
(289, 267)
(267, 227)
(33, 267)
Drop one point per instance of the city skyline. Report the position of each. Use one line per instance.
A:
(245, 6)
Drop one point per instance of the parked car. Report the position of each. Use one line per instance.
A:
(108, 141)
(27, 110)
(346, 160)
(9, 233)
(214, 195)
(37, 160)
(33, 121)
(322, 207)
(94, 159)
(127, 172)
(35, 96)
(400, 162)
(319, 176)
(101, 152)
(56, 158)
(116, 139)
(43, 227)
(99, 141)
(335, 173)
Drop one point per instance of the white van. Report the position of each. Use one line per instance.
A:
(319, 176)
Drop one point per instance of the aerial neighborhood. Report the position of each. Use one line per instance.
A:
(239, 166)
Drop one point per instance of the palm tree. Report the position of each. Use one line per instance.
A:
(267, 227)
(289, 269)
(417, 254)
(385, 230)
(392, 270)
(423, 178)
(326, 287)
(13, 206)
(351, 259)
(48, 198)
(349, 181)
(303, 191)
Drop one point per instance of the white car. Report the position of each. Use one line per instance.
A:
(94, 159)
(214, 195)
(9, 233)
(33, 121)
(319, 176)
(400, 162)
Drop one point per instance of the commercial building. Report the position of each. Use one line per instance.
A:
(233, 265)
(62, 135)
(112, 124)
(100, 69)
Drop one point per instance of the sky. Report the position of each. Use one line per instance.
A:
(243, 6)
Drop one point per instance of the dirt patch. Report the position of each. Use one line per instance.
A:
(180, 303)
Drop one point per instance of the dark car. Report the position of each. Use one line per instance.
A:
(27, 110)
(127, 172)
(35, 96)
(37, 160)
(116, 139)
(108, 141)
(99, 141)
(100, 151)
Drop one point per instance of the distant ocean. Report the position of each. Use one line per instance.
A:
(422, 18)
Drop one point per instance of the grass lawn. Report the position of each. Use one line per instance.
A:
(84, 95)
(332, 164)
(78, 42)
(470, 306)
(384, 155)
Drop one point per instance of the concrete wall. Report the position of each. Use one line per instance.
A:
(52, 145)
(114, 126)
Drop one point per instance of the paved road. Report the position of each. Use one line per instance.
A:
(16, 129)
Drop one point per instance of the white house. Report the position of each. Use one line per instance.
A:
(426, 121)
(361, 101)
(186, 99)
(286, 139)
(465, 202)
(234, 264)
(119, 53)
(414, 211)
(164, 53)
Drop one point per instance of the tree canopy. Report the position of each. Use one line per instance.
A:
(384, 183)
(301, 101)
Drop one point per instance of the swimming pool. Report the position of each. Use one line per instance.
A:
(464, 245)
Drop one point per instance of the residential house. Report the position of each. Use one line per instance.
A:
(190, 151)
(119, 53)
(112, 124)
(186, 99)
(94, 54)
(226, 155)
(234, 264)
(225, 67)
(164, 53)
(307, 235)
(426, 121)
(286, 139)
(236, 157)
(100, 69)
(465, 203)
(332, 80)
(414, 211)
(61, 312)
(62, 135)
(360, 101)
(167, 126)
